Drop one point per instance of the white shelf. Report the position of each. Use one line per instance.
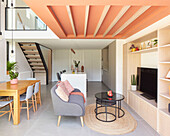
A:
(165, 95)
(163, 46)
(164, 79)
(165, 111)
(165, 62)
(146, 50)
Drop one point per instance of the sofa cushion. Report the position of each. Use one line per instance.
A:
(59, 91)
(77, 99)
(62, 85)
(68, 86)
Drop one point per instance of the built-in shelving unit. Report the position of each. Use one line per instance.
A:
(147, 109)
(163, 46)
(163, 83)
(165, 112)
(165, 95)
(165, 79)
(146, 50)
(165, 62)
(158, 113)
(138, 93)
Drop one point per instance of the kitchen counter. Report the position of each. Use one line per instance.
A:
(77, 80)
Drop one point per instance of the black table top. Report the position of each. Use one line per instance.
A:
(104, 97)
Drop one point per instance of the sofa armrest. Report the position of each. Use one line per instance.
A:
(63, 108)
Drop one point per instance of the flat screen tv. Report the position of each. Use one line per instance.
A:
(147, 82)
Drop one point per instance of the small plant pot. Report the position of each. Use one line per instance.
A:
(133, 87)
(14, 81)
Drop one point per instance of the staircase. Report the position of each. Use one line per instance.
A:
(34, 56)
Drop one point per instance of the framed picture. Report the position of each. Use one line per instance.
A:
(168, 75)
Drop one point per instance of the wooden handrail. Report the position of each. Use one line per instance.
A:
(21, 20)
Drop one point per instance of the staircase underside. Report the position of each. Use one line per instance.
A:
(33, 54)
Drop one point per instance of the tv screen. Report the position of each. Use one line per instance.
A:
(147, 82)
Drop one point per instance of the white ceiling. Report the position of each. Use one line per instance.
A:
(72, 43)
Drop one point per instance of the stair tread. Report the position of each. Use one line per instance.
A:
(31, 52)
(39, 71)
(37, 67)
(34, 60)
(33, 56)
(29, 47)
(36, 64)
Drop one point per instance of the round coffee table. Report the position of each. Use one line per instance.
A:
(103, 100)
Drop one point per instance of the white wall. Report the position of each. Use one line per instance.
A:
(3, 60)
(149, 60)
(90, 59)
(92, 64)
(119, 66)
(113, 77)
(3, 57)
(60, 61)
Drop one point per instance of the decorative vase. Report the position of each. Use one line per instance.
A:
(76, 70)
(82, 68)
(133, 87)
(14, 81)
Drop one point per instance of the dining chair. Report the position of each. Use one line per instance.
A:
(4, 98)
(3, 104)
(36, 90)
(64, 71)
(25, 98)
(58, 77)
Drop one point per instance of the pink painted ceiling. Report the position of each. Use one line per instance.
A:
(57, 17)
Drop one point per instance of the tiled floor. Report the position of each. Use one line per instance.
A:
(43, 122)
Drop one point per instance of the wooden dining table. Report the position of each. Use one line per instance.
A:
(7, 89)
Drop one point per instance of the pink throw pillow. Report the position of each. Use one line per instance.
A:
(59, 91)
(68, 86)
(62, 85)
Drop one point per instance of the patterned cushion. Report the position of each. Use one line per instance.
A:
(59, 91)
(62, 85)
(68, 86)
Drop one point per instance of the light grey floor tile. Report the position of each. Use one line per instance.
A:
(44, 123)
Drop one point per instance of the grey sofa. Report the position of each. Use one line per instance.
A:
(74, 107)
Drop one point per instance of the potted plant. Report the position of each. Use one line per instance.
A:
(10, 66)
(13, 77)
(155, 42)
(133, 83)
(76, 65)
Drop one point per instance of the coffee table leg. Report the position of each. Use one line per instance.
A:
(118, 109)
(106, 112)
(96, 107)
(115, 111)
